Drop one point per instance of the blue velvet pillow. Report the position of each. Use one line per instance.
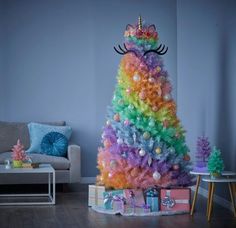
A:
(55, 144)
(38, 131)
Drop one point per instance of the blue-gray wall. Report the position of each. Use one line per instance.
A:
(1, 60)
(60, 63)
(206, 81)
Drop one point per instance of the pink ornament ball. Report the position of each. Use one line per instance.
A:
(176, 167)
(128, 91)
(116, 117)
(154, 109)
(126, 123)
(142, 95)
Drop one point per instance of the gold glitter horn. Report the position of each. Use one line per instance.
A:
(140, 26)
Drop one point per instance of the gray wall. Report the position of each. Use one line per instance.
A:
(60, 63)
(206, 74)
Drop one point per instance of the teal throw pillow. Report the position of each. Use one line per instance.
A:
(37, 131)
(55, 144)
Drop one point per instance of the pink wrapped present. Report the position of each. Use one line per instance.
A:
(134, 197)
(175, 199)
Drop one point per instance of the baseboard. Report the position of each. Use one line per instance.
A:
(217, 199)
(88, 180)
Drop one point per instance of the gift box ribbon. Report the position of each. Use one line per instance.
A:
(109, 198)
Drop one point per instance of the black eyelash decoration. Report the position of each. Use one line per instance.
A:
(124, 51)
(160, 50)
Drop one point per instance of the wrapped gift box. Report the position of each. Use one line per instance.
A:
(118, 204)
(152, 198)
(134, 197)
(175, 199)
(96, 195)
(114, 196)
(152, 201)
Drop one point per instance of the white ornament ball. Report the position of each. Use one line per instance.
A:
(167, 97)
(151, 80)
(156, 175)
(136, 77)
(108, 122)
(142, 152)
(119, 141)
(151, 123)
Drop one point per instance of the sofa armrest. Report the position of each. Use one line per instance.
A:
(74, 156)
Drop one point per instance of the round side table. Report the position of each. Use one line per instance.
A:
(211, 188)
(199, 176)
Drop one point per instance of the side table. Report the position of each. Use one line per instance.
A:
(199, 176)
(211, 188)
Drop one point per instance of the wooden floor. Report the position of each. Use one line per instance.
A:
(71, 211)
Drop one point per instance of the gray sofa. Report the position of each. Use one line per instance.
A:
(68, 170)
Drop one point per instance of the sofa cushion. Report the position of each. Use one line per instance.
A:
(11, 131)
(38, 131)
(58, 163)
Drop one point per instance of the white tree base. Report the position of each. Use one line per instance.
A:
(158, 213)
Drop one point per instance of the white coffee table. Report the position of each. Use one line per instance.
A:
(43, 168)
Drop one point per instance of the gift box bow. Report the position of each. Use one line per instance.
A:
(152, 192)
(170, 202)
(109, 198)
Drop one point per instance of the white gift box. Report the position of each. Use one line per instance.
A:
(96, 195)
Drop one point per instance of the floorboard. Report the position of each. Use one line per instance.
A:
(72, 211)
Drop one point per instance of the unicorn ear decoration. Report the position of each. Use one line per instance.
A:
(141, 39)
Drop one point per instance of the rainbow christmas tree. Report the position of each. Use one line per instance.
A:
(143, 141)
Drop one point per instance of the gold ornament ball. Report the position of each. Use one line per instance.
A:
(158, 150)
(158, 69)
(146, 135)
